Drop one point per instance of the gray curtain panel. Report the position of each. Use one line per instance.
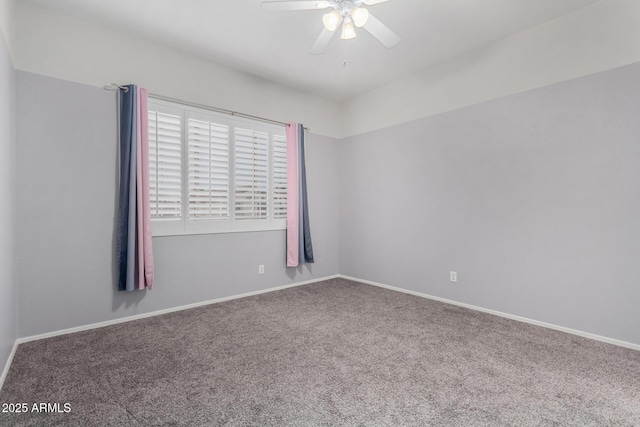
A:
(305, 247)
(127, 197)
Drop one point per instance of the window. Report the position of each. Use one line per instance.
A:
(214, 173)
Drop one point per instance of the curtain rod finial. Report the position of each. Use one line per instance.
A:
(115, 87)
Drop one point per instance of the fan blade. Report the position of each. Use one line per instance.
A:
(279, 5)
(321, 43)
(380, 31)
(372, 2)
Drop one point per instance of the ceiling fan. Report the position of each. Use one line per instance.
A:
(350, 13)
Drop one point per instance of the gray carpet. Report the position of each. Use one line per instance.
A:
(328, 354)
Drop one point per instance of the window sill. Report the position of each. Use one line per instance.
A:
(161, 230)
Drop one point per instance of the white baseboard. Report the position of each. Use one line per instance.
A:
(5, 371)
(307, 282)
(164, 311)
(501, 314)
(7, 365)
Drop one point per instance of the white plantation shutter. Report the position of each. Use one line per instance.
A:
(165, 165)
(251, 174)
(208, 170)
(213, 173)
(279, 154)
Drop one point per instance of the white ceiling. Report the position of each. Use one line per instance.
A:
(276, 45)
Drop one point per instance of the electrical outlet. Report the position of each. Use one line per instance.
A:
(261, 269)
(453, 276)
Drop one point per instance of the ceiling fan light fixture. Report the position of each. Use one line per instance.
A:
(348, 32)
(351, 14)
(331, 20)
(360, 16)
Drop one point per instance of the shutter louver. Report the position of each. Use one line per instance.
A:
(279, 177)
(208, 170)
(165, 165)
(251, 174)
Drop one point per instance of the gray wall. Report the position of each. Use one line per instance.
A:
(66, 215)
(8, 283)
(533, 199)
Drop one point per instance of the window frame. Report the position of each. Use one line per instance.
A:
(186, 226)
